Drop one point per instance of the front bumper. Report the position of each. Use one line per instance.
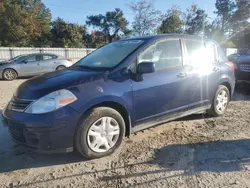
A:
(46, 133)
(1, 74)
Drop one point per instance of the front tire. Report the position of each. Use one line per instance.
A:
(220, 101)
(9, 74)
(100, 133)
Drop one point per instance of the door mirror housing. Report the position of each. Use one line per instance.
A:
(145, 67)
(25, 61)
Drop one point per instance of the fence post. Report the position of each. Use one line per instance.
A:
(11, 53)
(41, 50)
(66, 52)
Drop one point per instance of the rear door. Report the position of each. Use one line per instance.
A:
(48, 63)
(203, 69)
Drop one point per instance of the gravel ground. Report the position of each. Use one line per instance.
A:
(196, 151)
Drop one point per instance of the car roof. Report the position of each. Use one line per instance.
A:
(43, 54)
(182, 36)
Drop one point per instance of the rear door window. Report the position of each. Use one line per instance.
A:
(200, 53)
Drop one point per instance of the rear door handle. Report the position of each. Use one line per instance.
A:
(182, 75)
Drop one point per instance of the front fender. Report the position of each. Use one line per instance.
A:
(105, 99)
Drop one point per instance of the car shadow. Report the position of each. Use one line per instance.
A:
(242, 92)
(192, 159)
(216, 156)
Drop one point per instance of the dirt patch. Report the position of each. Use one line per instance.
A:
(196, 151)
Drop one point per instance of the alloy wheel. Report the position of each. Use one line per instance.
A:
(222, 101)
(9, 74)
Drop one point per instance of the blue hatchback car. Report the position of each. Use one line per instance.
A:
(121, 88)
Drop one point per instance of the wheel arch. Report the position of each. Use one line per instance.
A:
(119, 108)
(229, 87)
(116, 106)
(11, 69)
(60, 66)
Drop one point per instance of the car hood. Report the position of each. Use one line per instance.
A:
(5, 62)
(244, 59)
(39, 86)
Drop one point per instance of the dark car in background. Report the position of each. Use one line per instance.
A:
(243, 68)
(31, 65)
(242, 64)
(119, 89)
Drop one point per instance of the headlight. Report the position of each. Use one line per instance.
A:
(51, 102)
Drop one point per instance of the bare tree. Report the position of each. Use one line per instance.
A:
(146, 17)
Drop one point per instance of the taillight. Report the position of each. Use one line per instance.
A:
(69, 60)
(231, 65)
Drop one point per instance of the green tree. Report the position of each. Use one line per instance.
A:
(146, 17)
(24, 23)
(195, 20)
(110, 24)
(172, 23)
(224, 11)
(240, 23)
(67, 34)
(95, 40)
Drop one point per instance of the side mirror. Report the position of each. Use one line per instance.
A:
(145, 67)
(25, 61)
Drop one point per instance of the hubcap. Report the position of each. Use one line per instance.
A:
(103, 134)
(60, 68)
(222, 101)
(9, 74)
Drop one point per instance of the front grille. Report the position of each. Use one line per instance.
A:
(18, 104)
(244, 67)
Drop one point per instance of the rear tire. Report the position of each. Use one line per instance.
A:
(61, 67)
(100, 133)
(220, 101)
(9, 74)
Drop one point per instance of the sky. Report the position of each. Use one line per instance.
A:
(76, 11)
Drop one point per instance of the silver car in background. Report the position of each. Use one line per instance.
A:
(31, 65)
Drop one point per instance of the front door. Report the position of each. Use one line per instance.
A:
(30, 66)
(166, 90)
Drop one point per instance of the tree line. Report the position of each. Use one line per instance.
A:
(28, 23)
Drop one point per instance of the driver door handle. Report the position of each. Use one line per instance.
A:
(182, 75)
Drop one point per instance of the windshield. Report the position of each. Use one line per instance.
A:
(18, 57)
(110, 55)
